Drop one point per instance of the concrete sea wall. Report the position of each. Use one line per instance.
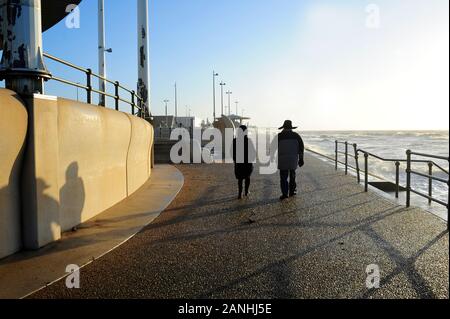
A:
(79, 160)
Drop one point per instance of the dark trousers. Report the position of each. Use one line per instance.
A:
(288, 187)
(247, 185)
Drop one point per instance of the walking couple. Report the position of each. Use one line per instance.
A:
(290, 156)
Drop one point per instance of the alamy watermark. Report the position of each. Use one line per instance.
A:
(73, 279)
(73, 20)
(261, 147)
(373, 276)
(373, 19)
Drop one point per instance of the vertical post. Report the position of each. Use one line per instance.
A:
(89, 86)
(408, 178)
(116, 94)
(143, 86)
(346, 158)
(397, 179)
(336, 154)
(430, 182)
(222, 84)
(366, 172)
(22, 66)
(133, 102)
(229, 102)
(355, 147)
(214, 95)
(101, 52)
(237, 109)
(176, 102)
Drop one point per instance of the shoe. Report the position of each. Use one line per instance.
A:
(293, 194)
(283, 197)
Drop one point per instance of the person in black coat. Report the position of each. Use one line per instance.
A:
(244, 155)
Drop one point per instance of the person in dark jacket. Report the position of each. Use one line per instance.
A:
(244, 154)
(290, 156)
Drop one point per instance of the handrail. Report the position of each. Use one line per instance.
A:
(136, 100)
(409, 161)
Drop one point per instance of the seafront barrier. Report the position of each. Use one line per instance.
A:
(77, 161)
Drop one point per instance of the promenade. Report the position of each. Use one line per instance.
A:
(207, 244)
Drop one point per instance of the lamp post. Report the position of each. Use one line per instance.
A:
(167, 116)
(222, 84)
(237, 102)
(214, 94)
(176, 102)
(229, 102)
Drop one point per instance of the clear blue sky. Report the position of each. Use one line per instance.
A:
(309, 60)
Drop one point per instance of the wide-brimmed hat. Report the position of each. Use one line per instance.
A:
(287, 126)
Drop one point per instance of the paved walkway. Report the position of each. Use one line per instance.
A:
(26, 272)
(316, 245)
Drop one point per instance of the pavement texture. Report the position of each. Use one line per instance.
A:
(208, 244)
(26, 272)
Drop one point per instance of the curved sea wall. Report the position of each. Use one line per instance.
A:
(79, 161)
(13, 130)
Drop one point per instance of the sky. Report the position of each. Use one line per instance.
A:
(324, 64)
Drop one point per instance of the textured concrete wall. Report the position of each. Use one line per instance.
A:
(13, 128)
(79, 161)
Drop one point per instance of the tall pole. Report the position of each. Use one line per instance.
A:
(101, 52)
(229, 102)
(237, 102)
(22, 66)
(214, 94)
(222, 84)
(167, 114)
(176, 102)
(143, 86)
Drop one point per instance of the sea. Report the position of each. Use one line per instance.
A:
(392, 144)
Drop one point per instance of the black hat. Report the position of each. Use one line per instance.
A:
(287, 126)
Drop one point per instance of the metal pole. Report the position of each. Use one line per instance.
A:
(408, 178)
(336, 153)
(89, 86)
(214, 94)
(237, 114)
(116, 93)
(22, 66)
(101, 52)
(167, 115)
(143, 86)
(229, 102)
(397, 179)
(222, 84)
(355, 147)
(346, 158)
(176, 102)
(366, 172)
(430, 182)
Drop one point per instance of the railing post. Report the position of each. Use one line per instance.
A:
(430, 182)
(133, 105)
(397, 179)
(355, 147)
(408, 178)
(346, 158)
(116, 93)
(366, 172)
(336, 154)
(89, 86)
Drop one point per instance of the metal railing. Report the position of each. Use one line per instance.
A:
(135, 102)
(397, 162)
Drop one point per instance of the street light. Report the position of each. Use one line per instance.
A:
(237, 102)
(214, 94)
(229, 102)
(222, 84)
(167, 116)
